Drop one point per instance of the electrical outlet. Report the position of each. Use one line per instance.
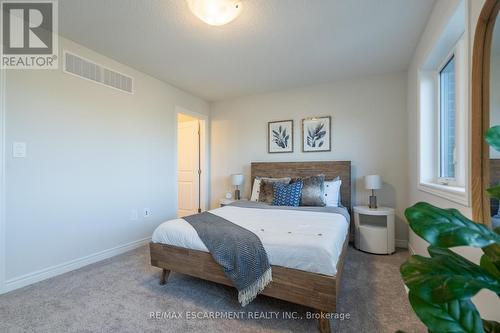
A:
(19, 149)
(134, 215)
(147, 212)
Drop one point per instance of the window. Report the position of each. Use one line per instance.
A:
(447, 122)
(443, 123)
(443, 111)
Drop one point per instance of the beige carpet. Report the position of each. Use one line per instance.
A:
(119, 295)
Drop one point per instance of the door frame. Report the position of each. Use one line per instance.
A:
(204, 158)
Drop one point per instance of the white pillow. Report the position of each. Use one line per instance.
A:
(255, 190)
(332, 192)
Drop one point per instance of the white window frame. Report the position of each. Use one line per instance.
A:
(429, 125)
(447, 181)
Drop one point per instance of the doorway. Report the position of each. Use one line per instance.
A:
(190, 164)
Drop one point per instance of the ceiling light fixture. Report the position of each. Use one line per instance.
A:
(215, 12)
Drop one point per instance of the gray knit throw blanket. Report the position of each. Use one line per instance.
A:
(239, 252)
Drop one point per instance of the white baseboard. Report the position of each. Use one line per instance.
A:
(43, 274)
(403, 243)
(410, 249)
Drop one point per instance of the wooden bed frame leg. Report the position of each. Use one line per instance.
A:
(324, 323)
(164, 276)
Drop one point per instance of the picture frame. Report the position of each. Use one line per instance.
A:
(280, 136)
(316, 134)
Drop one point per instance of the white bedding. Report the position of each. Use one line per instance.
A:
(304, 240)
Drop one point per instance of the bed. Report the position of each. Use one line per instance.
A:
(306, 247)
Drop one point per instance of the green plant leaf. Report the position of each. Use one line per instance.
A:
(447, 227)
(456, 316)
(445, 276)
(492, 136)
(490, 261)
(488, 265)
(491, 326)
(494, 191)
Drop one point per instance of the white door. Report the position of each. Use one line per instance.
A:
(188, 155)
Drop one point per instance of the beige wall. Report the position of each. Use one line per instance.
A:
(487, 302)
(94, 155)
(368, 128)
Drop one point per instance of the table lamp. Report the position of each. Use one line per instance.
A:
(237, 180)
(373, 182)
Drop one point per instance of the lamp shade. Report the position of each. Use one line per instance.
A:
(373, 182)
(237, 179)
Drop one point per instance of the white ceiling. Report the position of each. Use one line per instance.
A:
(272, 45)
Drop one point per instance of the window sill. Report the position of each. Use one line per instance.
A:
(453, 193)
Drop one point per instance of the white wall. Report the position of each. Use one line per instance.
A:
(437, 22)
(487, 302)
(94, 154)
(368, 128)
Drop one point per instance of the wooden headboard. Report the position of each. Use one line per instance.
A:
(330, 169)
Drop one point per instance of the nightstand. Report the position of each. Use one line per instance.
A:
(225, 202)
(374, 229)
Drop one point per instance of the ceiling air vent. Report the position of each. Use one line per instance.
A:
(89, 70)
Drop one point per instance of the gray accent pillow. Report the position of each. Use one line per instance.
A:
(313, 191)
(266, 193)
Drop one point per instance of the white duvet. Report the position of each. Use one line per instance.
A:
(304, 240)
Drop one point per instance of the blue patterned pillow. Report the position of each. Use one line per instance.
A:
(287, 194)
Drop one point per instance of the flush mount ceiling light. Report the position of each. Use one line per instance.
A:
(215, 12)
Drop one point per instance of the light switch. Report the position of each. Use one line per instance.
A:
(19, 149)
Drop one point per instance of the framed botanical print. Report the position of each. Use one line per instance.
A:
(316, 134)
(280, 136)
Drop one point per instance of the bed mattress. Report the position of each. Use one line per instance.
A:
(308, 240)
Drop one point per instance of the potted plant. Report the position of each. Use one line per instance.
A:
(442, 285)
